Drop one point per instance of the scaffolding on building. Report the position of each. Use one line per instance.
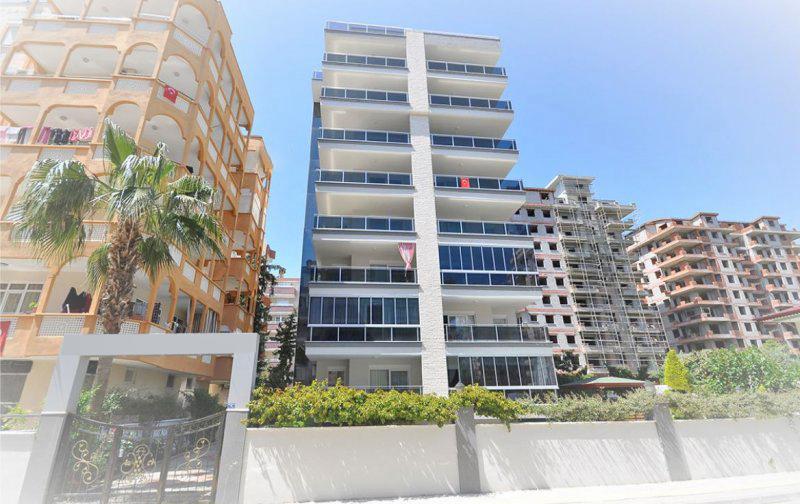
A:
(615, 328)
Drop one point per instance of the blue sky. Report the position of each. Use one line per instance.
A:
(678, 106)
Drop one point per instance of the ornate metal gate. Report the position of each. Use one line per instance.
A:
(166, 462)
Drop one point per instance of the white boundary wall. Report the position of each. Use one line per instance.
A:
(724, 448)
(330, 463)
(552, 455)
(15, 450)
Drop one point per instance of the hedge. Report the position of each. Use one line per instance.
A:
(639, 404)
(318, 404)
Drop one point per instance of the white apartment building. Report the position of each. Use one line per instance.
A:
(408, 151)
(717, 283)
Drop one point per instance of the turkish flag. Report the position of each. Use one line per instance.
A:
(464, 182)
(5, 326)
(170, 93)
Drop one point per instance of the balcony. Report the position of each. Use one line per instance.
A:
(363, 334)
(349, 108)
(363, 275)
(478, 116)
(489, 279)
(360, 193)
(363, 223)
(364, 60)
(496, 333)
(466, 69)
(366, 95)
(490, 184)
(357, 177)
(473, 156)
(345, 135)
(477, 198)
(468, 142)
(484, 228)
(364, 28)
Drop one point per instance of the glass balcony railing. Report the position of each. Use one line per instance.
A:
(363, 275)
(465, 68)
(473, 142)
(364, 28)
(364, 223)
(484, 228)
(462, 101)
(316, 75)
(364, 95)
(355, 177)
(396, 137)
(363, 334)
(495, 333)
(461, 182)
(489, 279)
(364, 60)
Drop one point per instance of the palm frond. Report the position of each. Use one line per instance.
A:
(155, 256)
(117, 146)
(189, 194)
(195, 233)
(58, 196)
(97, 265)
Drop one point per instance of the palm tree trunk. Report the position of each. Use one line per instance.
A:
(115, 302)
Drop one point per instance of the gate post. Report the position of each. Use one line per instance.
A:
(61, 401)
(231, 461)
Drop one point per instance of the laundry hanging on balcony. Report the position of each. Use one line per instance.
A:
(13, 134)
(170, 93)
(407, 253)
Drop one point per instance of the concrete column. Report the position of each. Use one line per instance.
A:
(469, 472)
(434, 359)
(677, 466)
(61, 401)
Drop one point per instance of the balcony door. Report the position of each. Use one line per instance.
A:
(459, 320)
(388, 378)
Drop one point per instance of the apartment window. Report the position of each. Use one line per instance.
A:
(559, 282)
(556, 263)
(540, 263)
(189, 383)
(363, 311)
(388, 378)
(544, 196)
(567, 319)
(506, 371)
(170, 381)
(537, 245)
(457, 257)
(546, 214)
(546, 300)
(570, 339)
(130, 375)
(562, 300)
(19, 297)
(13, 374)
(548, 229)
(548, 319)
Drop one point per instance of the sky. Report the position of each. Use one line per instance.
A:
(678, 106)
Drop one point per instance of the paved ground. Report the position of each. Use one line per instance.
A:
(781, 488)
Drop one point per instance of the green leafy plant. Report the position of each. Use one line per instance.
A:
(621, 372)
(318, 404)
(199, 403)
(266, 288)
(152, 206)
(676, 376)
(14, 418)
(280, 375)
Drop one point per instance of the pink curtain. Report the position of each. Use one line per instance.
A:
(407, 253)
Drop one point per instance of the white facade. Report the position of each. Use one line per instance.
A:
(408, 147)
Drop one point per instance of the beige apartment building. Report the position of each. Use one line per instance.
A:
(589, 301)
(164, 70)
(716, 282)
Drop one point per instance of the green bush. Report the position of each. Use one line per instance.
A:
(691, 405)
(318, 404)
(676, 376)
(199, 403)
(723, 371)
(15, 419)
(123, 404)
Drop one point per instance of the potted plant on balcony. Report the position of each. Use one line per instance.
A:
(151, 207)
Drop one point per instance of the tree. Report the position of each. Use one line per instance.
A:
(676, 376)
(280, 376)
(266, 286)
(150, 208)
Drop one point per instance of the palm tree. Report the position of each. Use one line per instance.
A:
(151, 211)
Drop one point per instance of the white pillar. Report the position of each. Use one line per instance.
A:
(434, 357)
